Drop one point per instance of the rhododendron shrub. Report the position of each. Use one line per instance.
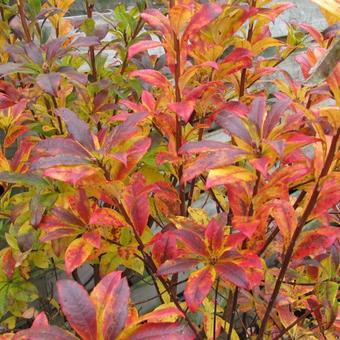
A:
(109, 166)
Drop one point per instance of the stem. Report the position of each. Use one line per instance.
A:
(299, 319)
(244, 71)
(290, 250)
(21, 8)
(89, 11)
(215, 308)
(233, 312)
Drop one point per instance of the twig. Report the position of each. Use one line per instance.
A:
(290, 250)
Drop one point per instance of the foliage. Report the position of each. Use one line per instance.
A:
(107, 165)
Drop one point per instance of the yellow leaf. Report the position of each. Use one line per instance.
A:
(198, 215)
(331, 6)
(263, 44)
(229, 174)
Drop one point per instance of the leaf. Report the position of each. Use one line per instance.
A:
(164, 313)
(192, 241)
(176, 266)
(44, 333)
(315, 242)
(136, 202)
(40, 320)
(227, 175)
(258, 113)
(211, 160)
(214, 236)
(49, 82)
(326, 293)
(78, 308)
(331, 6)
(163, 330)
(23, 179)
(152, 77)
(183, 109)
(93, 238)
(274, 115)
(76, 254)
(71, 174)
(203, 17)
(8, 262)
(198, 287)
(49, 162)
(204, 146)
(59, 145)
(164, 248)
(106, 216)
(142, 46)
(325, 65)
(230, 272)
(77, 127)
(110, 298)
(285, 218)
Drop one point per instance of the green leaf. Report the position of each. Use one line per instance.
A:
(327, 295)
(23, 179)
(88, 26)
(34, 7)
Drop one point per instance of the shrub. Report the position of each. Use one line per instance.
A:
(108, 163)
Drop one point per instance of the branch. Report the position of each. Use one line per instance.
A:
(290, 250)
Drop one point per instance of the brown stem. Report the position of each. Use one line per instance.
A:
(21, 8)
(215, 309)
(290, 250)
(299, 319)
(244, 71)
(233, 312)
(89, 11)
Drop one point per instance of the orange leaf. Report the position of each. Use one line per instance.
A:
(198, 287)
(76, 254)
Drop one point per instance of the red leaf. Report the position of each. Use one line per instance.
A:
(160, 313)
(274, 115)
(192, 241)
(136, 202)
(231, 272)
(49, 82)
(214, 234)
(142, 46)
(183, 109)
(204, 146)
(78, 308)
(76, 254)
(246, 225)
(163, 330)
(93, 238)
(58, 145)
(211, 160)
(315, 242)
(257, 112)
(44, 333)
(285, 217)
(72, 174)
(8, 262)
(40, 321)
(234, 125)
(156, 19)
(198, 287)
(107, 216)
(81, 205)
(152, 77)
(111, 299)
(77, 128)
(164, 248)
(203, 17)
(176, 266)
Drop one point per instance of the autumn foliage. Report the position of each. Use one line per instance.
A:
(168, 150)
